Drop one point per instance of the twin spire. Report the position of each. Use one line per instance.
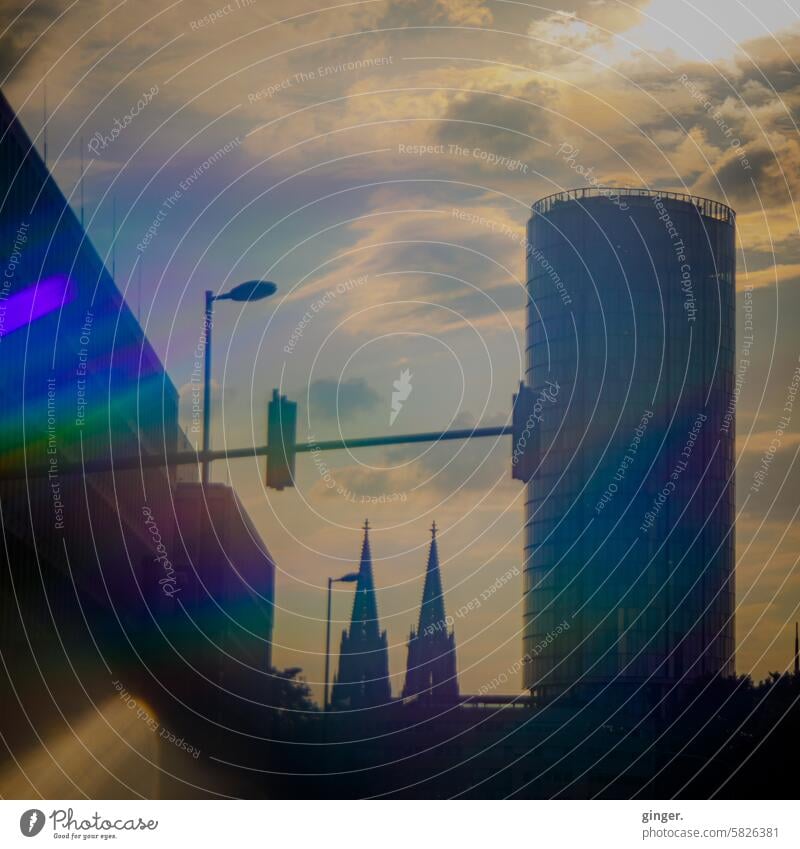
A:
(363, 678)
(431, 672)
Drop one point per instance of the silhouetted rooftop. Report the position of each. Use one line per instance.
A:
(708, 207)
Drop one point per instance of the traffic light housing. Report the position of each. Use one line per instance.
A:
(525, 441)
(281, 441)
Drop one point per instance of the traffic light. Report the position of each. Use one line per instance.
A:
(281, 441)
(525, 442)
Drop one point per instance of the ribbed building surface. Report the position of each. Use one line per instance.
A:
(629, 552)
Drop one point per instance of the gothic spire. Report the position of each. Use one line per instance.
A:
(431, 672)
(363, 679)
(364, 620)
(431, 613)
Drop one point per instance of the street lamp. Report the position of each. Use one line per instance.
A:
(254, 290)
(349, 578)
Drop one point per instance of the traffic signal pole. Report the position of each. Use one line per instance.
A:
(189, 458)
(282, 446)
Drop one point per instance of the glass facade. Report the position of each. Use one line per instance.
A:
(629, 536)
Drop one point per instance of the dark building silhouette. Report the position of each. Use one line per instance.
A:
(106, 575)
(227, 580)
(431, 671)
(363, 678)
(629, 552)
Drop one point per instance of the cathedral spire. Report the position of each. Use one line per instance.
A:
(363, 678)
(364, 620)
(431, 670)
(431, 613)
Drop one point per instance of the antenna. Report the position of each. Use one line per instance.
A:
(44, 118)
(82, 172)
(114, 238)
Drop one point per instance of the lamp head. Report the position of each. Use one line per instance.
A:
(349, 578)
(253, 290)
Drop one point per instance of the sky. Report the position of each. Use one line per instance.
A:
(377, 160)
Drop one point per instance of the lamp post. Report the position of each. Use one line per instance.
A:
(349, 578)
(254, 290)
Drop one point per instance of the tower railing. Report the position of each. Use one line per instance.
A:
(706, 206)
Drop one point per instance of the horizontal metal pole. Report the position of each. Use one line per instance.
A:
(191, 458)
(403, 439)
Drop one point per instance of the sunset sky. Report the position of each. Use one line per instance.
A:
(398, 146)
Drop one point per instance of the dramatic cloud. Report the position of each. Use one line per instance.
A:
(506, 122)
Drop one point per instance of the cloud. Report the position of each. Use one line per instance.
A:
(448, 471)
(507, 123)
(331, 400)
(563, 37)
(17, 48)
(435, 267)
(773, 275)
(759, 443)
(465, 12)
(458, 12)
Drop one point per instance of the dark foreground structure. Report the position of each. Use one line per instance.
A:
(629, 561)
(120, 591)
(716, 738)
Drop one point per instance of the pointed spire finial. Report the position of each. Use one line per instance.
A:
(366, 525)
(433, 529)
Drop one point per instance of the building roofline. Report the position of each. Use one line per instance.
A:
(15, 128)
(706, 206)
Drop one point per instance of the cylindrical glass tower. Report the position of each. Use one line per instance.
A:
(629, 551)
